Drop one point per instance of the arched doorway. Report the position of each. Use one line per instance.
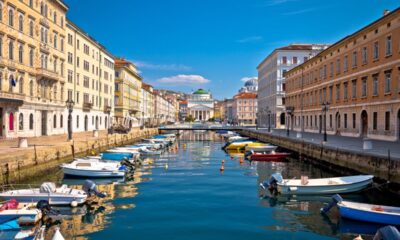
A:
(364, 123)
(105, 122)
(337, 123)
(282, 119)
(86, 123)
(97, 122)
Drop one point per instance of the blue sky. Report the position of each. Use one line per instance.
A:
(213, 44)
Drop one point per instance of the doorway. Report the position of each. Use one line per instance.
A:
(44, 123)
(1, 122)
(97, 122)
(337, 123)
(364, 124)
(86, 123)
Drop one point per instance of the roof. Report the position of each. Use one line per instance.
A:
(387, 14)
(183, 102)
(245, 95)
(296, 47)
(201, 91)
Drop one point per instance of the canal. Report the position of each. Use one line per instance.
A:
(183, 195)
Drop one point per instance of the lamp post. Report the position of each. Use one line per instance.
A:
(325, 107)
(70, 106)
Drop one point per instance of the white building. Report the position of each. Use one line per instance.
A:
(201, 105)
(271, 82)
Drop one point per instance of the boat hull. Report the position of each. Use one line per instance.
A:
(326, 189)
(260, 148)
(53, 199)
(93, 173)
(368, 216)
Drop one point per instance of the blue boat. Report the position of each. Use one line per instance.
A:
(116, 156)
(159, 137)
(8, 230)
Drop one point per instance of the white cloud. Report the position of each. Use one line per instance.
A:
(162, 67)
(245, 79)
(184, 79)
(250, 39)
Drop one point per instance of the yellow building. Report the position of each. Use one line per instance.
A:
(32, 55)
(128, 91)
(89, 81)
(147, 105)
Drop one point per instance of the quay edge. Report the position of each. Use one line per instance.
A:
(383, 168)
(26, 165)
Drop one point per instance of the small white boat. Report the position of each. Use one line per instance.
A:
(124, 150)
(94, 168)
(150, 145)
(26, 214)
(149, 152)
(49, 192)
(263, 148)
(318, 185)
(237, 138)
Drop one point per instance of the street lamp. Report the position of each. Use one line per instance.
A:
(325, 107)
(70, 107)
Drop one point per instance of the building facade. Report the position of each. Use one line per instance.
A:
(128, 91)
(201, 105)
(228, 111)
(147, 105)
(183, 110)
(358, 77)
(271, 82)
(245, 109)
(89, 81)
(32, 68)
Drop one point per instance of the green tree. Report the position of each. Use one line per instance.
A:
(189, 118)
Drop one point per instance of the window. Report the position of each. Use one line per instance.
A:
(70, 94)
(345, 120)
(21, 85)
(387, 121)
(62, 21)
(345, 90)
(61, 121)
(70, 58)
(11, 122)
(21, 23)
(77, 121)
(42, 8)
(364, 55)
(324, 71)
(375, 121)
(331, 69)
(337, 92)
(31, 28)
(30, 3)
(11, 50)
(376, 50)
(70, 73)
(21, 122)
(388, 45)
(86, 82)
(62, 44)
(284, 60)
(11, 17)
(77, 43)
(354, 59)
(330, 93)
(354, 120)
(1, 11)
(294, 60)
(55, 121)
(1, 45)
(55, 41)
(55, 17)
(346, 63)
(375, 85)
(364, 87)
(31, 57)
(31, 88)
(354, 88)
(330, 120)
(69, 39)
(20, 54)
(388, 80)
(31, 121)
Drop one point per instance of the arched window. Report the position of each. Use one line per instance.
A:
(45, 35)
(20, 53)
(1, 11)
(41, 8)
(30, 3)
(11, 50)
(21, 85)
(62, 22)
(21, 122)
(11, 122)
(42, 34)
(31, 57)
(61, 121)
(31, 122)
(55, 121)
(31, 28)
(11, 17)
(31, 88)
(55, 41)
(45, 10)
(21, 23)
(77, 121)
(55, 17)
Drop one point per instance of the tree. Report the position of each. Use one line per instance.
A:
(189, 118)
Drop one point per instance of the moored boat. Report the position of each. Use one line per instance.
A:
(261, 148)
(237, 145)
(318, 185)
(94, 168)
(25, 213)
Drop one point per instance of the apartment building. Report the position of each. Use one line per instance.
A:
(245, 108)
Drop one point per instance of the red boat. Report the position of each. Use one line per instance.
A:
(272, 156)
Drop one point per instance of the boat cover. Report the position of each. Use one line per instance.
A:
(12, 204)
(47, 187)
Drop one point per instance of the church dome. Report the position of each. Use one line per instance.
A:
(251, 83)
(200, 91)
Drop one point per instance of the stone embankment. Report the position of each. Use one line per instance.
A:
(385, 168)
(24, 164)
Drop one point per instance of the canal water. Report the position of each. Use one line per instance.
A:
(183, 195)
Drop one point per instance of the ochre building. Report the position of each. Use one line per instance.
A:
(357, 82)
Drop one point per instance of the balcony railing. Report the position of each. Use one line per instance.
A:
(46, 73)
(87, 106)
(107, 109)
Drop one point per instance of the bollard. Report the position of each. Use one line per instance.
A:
(22, 142)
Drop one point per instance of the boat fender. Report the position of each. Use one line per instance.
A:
(74, 204)
(292, 189)
(387, 233)
(90, 188)
(335, 200)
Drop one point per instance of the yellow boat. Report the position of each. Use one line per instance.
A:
(242, 145)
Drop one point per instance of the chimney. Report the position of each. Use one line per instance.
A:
(385, 12)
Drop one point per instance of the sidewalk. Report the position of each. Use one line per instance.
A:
(380, 148)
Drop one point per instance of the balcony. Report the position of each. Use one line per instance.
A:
(107, 109)
(87, 106)
(48, 74)
(12, 98)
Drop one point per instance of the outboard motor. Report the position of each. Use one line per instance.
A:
(335, 200)
(247, 155)
(90, 188)
(387, 233)
(45, 208)
(272, 183)
(126, 163)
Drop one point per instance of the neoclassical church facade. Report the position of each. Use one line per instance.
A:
(201, 105)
